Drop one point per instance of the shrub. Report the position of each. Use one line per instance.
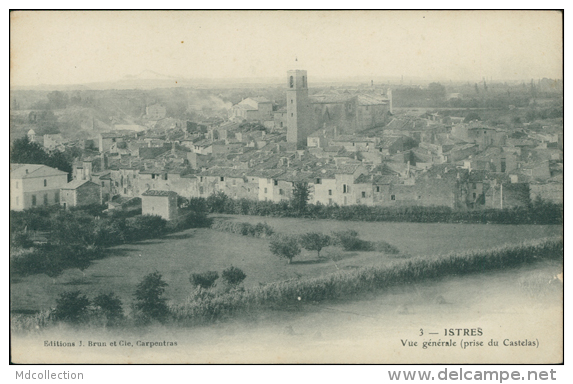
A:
(314, 241)
(145, 227)
(109, 305)
(204, 280)
(21, 239)
(233, 276)
(382, 246)
(285, 247)
(349, 241)
(71, 307)
(149, 298)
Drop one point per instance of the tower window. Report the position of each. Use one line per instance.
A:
(45, 183)
(291, 82)
(291, 101)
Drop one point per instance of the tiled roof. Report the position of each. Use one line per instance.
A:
(24, 171)
(75, 184)
(153, 192)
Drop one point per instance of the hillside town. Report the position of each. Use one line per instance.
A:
(347, 144)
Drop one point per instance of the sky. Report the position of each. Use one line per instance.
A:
(65, 47)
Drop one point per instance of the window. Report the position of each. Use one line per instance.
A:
(153, 175)
(116, 184)
(343, 188)
(330, 192)
(201, 190)
(125, 191)
(474, 195)
(57, 197)
(377, 188)
(33, 200)
(222, 178)
(103, 184)
(503, 165)
(291, 101)
(201, 179)
(291, 82)
(281, 192)
(45, 199)
(317, 181)
(292, 114)
(393, 197)
(276, 182)
(329, 201)
(45, 183)
(363, 194)
(265, 190)
(234, 182)
(473, 185)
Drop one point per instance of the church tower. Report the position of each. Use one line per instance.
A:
(299, 122)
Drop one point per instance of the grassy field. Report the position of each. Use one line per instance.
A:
(198, 250)
(525, 302)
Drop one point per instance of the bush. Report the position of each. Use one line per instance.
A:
(349, 241)
(204, 280)
(233, 276)
(382, 246)
(285, 247)
(71, 307)
(145, 227)
(109, 305)
(244, 229)
(149, 298)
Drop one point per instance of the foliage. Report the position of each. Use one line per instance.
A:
(149, 298)
(244, 229)
(285, 247)
(109, 305)
(204, 280)
(471, 117)
(551, 214)
(300, 197)
(314, 241)
(26, 152)
(216, 202)
(71, 307)
(349, 241)
(233, 276)
(368, 279)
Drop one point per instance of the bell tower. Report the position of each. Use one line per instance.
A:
(299, 124)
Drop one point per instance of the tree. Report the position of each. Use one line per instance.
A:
(233, 276)
(26, 152)
(204, 280)
(217, 202)
(110, 306)
(437, 92)
(71, 306)
(285, 246)
(314, 241)
(471, 117)
(149, 297)
(300, 196)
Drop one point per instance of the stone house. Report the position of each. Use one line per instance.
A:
(159, 203)
(80, 192)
